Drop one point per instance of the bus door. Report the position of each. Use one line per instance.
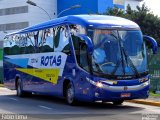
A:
(82, 59)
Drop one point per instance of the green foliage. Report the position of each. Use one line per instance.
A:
(154, 95)
(115, 12)
(148, 22)
(14, 50)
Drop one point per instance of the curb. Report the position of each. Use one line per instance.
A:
(146, 102)
(1, 85)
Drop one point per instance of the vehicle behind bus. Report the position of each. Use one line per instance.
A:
(81, 58)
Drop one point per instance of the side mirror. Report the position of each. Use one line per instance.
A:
(88, 42)
(153, 43)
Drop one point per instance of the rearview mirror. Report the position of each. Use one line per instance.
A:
(153, 43)
(88, 42)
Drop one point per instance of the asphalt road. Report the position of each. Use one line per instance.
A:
(44, 108)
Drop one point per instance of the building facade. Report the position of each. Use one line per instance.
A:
(88, 6)
(94, 6)
(17, 14)
(133, 3)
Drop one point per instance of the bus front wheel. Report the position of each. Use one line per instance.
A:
(70, 98)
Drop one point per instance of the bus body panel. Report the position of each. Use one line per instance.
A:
(45, 73)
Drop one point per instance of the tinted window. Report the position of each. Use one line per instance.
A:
(61, 41)
(11, 45)
(45, 40)
(83, 56)
(48, 40)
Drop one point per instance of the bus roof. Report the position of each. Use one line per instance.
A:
(89, 21)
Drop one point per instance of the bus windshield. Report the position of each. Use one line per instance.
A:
(118, 52)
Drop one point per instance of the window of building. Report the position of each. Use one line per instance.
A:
(14, 10)
(13, 26)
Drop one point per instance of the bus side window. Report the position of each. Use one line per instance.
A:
(81, 52)
(15, 46)
(10, 47)
(57, 36)
(21, 41)
(6, 46)
(62, 40)
(67, 49)
(45, 39)
(30, 43)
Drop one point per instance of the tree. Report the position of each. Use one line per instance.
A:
(148, 22)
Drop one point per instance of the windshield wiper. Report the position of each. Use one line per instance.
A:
(129, 61)
(121, 60)
(117, 65)
(126, 58)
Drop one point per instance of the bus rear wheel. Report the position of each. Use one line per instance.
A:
(20, 92)
(70, 98)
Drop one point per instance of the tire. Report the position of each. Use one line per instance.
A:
(20, 92)
(119, 102)
(70, 97)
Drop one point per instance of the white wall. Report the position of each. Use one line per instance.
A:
(38, 15)
(133, 3)
(119, 2)
(34, 16)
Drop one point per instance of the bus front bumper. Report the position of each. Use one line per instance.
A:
(113, 93)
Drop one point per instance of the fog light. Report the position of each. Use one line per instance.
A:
(99, 84)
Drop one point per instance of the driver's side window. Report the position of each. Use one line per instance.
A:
(83, 56)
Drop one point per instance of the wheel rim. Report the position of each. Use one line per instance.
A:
(70, 95)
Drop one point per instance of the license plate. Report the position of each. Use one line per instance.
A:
(124, 95)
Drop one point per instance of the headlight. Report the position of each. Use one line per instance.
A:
(97, 84)
(146, 83)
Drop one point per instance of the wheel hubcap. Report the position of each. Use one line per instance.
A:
(70, 95)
